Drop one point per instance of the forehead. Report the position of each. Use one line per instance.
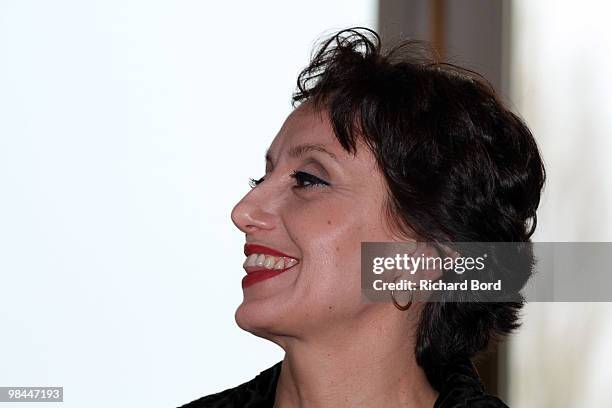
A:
(308, 127)
(305, 126)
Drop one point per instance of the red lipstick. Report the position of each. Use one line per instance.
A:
(260, 249)
(256, 273)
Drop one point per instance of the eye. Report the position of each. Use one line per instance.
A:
(304, 180)
(254, 183)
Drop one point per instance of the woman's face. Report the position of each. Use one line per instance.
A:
(318, 216)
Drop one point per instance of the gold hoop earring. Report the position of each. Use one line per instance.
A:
(397, 305)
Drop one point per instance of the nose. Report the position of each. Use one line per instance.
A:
(250, 215)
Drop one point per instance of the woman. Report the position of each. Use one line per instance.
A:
(386, 147)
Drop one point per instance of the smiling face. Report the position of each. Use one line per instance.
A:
(315, 204)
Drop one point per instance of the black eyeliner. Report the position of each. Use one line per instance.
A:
(314, 181)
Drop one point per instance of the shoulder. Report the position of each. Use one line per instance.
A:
(256, 393)
(462, 388)
(470, 401)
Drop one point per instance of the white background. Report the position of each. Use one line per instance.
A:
(128, 130)
(561, 80)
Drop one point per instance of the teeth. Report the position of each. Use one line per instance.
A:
(280, 264)
(269, 262)
(261, 259)
(250, 261)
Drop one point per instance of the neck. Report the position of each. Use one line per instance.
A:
(372, 365)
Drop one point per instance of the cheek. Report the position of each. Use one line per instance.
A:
(328, 234)
(331, 255)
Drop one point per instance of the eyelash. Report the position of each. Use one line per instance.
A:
(254, 183)
(300, 178)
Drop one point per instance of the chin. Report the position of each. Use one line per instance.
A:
(263, 318)
(275, 320)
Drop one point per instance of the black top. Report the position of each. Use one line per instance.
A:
(462, 389)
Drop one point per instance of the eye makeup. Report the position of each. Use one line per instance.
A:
(305, 180)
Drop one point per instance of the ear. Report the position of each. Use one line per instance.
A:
(428, 258)
(429, 250)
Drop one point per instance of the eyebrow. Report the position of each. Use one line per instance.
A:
(300, 150)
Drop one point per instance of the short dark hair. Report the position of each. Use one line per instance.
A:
(458, 164)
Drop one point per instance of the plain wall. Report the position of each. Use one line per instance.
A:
(128, 131)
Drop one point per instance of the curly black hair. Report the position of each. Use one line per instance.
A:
(458, 164)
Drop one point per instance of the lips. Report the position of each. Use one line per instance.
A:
(260, 249)
(256, 272)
